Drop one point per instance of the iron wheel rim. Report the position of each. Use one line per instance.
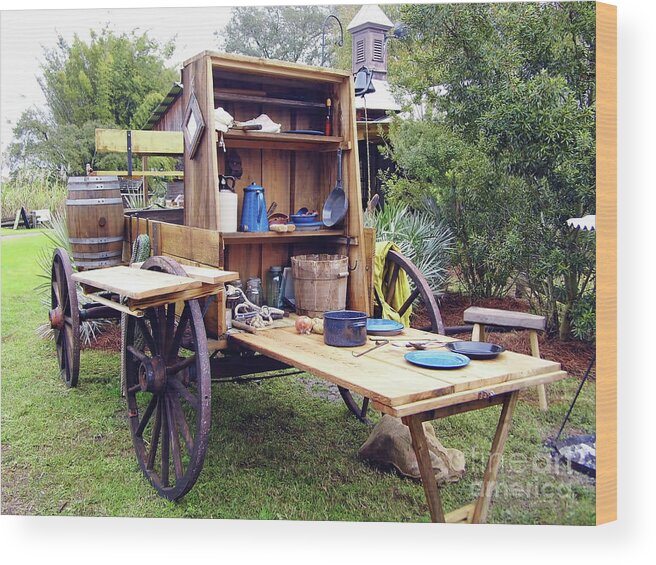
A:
(63, 296)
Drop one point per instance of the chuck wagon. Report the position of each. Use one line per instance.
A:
(175, 334)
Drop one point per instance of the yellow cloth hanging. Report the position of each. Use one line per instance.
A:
(383, 270)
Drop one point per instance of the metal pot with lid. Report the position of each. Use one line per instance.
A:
(345, 328)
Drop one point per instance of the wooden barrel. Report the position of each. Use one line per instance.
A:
(94, 214)
(319, 283)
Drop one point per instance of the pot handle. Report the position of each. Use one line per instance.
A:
(260, 206)
(342, 275)
(361, 324)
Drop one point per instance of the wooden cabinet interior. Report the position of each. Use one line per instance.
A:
(296, 169)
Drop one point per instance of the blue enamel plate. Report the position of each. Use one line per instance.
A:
(437, 359)
(376, 326)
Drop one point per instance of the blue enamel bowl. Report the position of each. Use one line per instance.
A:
(304, 218)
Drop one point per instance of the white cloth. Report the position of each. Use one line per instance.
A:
(223, 121)
(268, 125)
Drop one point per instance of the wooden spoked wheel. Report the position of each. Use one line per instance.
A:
(168, 390)
(420, 291)
(65, 317)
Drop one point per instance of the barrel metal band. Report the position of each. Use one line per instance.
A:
(112, 186)
(99, 255)
(89, 201)
(94, 240)
(110, 263)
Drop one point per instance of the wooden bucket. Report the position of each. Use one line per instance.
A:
(94, 215)
(319, 283)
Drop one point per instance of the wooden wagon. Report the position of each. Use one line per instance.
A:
(175, 338)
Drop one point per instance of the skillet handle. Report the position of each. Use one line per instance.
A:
(339, 167)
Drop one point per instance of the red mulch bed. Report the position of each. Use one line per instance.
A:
(574, 356)
(108, 340)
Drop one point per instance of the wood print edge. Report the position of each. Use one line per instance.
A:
(606, 173)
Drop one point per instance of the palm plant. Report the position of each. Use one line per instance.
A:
(421, 235)
(58, 237)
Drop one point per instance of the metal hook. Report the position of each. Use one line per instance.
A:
(339, 42)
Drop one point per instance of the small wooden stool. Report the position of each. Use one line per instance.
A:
(482, 317)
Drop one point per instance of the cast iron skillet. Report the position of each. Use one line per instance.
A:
(475, 349)
(336, 206)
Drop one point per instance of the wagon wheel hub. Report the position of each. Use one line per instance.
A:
(152, 375)
(56, 316)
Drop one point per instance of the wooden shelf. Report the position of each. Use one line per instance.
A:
(245, 238)
(284, 102)
(289, 141)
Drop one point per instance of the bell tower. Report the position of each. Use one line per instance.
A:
(368, 29)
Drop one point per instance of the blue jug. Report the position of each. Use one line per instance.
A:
(254, 211)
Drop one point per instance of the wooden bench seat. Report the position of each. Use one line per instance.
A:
(504, 318)
(482, 317)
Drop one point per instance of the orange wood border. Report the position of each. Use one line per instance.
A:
(606, 227)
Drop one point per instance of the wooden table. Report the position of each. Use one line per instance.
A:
(416, 394)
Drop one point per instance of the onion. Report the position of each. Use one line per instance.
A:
(317, 326)
(303, 325)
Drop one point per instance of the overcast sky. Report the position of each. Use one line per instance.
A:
(23, 33)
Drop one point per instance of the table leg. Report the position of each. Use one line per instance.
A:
(494, 462)
(535, 352)
(428, 481)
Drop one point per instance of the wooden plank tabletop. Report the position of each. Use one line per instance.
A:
(135, 283)
(384, 375)
(203, 274)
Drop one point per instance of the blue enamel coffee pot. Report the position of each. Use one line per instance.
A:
(254, 211)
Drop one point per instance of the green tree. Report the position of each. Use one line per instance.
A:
(286, 33)
(111, 81)
(510, 88)
(105, 80)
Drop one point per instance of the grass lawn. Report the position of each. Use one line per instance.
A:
(21, 231)
(280, 449)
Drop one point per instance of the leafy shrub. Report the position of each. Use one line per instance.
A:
(584, 317)
(479, 204)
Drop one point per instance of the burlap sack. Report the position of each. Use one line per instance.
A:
(390, 443)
